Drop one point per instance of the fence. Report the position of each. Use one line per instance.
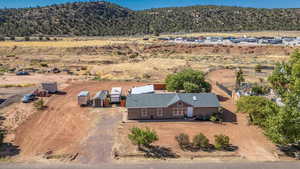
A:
(225, 89)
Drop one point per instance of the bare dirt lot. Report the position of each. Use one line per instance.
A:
(63, 127)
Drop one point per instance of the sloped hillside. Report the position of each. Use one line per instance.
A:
(103, 18)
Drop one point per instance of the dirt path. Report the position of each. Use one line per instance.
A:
(97, 148)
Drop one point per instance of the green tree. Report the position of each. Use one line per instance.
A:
(183, 140)
(259, 89)
(193, 80)
(191, 87)
(239, 78)
(200, 141)
(259, 108)
(285, 126)
(142, 137)
(221, 141)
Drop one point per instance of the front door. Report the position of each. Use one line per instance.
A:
(190, 112)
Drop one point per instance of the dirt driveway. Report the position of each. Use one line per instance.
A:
(97, 147)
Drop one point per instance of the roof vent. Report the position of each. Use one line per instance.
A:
(194, 98)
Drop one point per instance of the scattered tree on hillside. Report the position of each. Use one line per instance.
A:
(103, 18)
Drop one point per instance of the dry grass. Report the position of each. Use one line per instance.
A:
(71, 42)
(16, 85)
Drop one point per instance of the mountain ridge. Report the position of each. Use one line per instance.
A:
(101, 18)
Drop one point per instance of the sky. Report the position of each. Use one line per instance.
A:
(146, 4)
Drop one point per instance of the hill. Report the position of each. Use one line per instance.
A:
(103, 18)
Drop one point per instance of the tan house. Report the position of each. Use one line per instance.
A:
(171, 106)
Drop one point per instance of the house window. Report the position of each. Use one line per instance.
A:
(159, 112)
(144, 112)
(179, 111)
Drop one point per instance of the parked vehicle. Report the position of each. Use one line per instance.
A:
(28, 98)
(22, 73)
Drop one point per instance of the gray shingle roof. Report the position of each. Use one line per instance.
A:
(165, 100)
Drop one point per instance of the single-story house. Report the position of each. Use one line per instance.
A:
(171, 105)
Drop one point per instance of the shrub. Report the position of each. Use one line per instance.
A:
(213, 118)
(221, 141)
(258, 68)
(142, 137)
(183, 140)
(27, 38)
(39, 105)
(200, 141)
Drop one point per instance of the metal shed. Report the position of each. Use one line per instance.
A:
(51, 87)
(83, 98)
(100, 97)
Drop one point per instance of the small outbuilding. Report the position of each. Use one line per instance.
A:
(99, 99)
(115, 95)
(83, 98)
(50, 87)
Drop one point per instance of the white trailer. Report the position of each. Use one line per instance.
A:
(115, 95)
